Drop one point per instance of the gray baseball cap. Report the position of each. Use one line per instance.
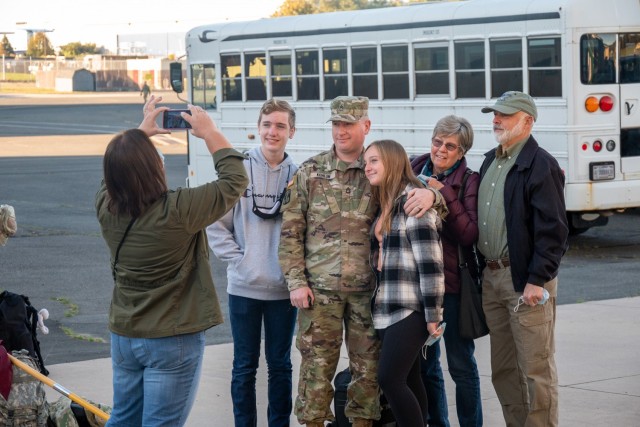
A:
(513, 101)
(349, 109)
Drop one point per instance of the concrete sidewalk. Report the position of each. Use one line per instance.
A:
(598, 358)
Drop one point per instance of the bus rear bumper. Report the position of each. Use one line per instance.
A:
(602, 196)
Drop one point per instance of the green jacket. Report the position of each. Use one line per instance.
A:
(327, 214)
(164, 285)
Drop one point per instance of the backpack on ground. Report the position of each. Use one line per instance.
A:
(65, 413)
(18, 326)
(27, 402)
(341, 382)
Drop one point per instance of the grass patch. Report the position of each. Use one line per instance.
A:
(23, 87)
(72, 308)
(19, 77)
(83, 337)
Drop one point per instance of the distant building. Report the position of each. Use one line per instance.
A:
(152, 45)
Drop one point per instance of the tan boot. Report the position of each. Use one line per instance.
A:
(315, 424)
(362, 422)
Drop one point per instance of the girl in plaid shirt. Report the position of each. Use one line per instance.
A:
(406, 255)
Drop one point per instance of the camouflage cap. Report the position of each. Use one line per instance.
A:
(349, 109)
(513, 101)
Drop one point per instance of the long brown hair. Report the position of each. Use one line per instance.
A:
(397, 174)
(133, 173)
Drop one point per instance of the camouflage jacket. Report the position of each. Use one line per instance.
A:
(327, 212)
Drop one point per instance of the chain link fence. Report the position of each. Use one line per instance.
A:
(106, 73)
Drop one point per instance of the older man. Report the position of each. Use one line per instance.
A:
(522, 237)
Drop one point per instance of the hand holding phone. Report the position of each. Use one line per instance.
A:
(172, 119)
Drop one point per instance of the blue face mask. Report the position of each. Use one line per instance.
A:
(431, 340)
(545, 298)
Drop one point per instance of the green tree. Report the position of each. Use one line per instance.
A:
(308, 7)
(75, 49)
(39, 45)
(5, 47)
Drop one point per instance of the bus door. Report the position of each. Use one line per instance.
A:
(629, 72)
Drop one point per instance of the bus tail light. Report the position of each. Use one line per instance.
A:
(593, 103)
(606, 103)
(597, 145)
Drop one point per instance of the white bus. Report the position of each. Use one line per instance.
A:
(579, 59)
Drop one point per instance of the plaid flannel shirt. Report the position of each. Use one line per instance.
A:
(412, 274)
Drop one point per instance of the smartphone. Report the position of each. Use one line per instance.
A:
(171, 119)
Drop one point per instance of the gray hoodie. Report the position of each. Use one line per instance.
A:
(248, 243)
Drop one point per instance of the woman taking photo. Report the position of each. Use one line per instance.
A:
(163, 297)
(407, 304)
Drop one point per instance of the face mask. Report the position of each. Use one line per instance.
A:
(432, 340)
(545, 297)
(262, 211)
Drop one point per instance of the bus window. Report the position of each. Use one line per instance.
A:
(506, 66)
(630, 58)
(335, 73)
(364, 65)
(597, 55)
(432, 69)
(255, 71)
(395, 72)
(470, 69)
(203, 86)
(281, 74)
(545, 67)
(308, 72)
(231, 77)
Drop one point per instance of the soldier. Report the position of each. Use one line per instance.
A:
(324, 254)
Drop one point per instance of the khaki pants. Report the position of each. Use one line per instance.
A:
(523, 368)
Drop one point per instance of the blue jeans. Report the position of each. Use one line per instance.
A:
(463, 370)
(154, 379)
(279, 317)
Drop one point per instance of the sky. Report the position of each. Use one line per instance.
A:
(99, 22)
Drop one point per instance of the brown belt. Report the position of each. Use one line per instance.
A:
(497, 264)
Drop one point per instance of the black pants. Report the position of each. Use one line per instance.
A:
(399, 369)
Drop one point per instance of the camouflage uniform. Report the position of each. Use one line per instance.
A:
(327, 214)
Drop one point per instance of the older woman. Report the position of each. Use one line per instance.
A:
(407, 256)
(163, 297)
(444, 168)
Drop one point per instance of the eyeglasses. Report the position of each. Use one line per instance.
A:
(449, 146)
(262, 211)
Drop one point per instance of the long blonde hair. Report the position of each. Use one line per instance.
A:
(397, 174)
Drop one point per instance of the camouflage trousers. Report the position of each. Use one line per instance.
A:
(320, 335)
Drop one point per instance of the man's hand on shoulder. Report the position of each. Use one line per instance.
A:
(419, 201)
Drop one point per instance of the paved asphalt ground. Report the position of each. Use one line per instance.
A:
(50, 168)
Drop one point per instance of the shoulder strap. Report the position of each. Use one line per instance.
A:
(115, 260)
(467, 173)
(461, 258)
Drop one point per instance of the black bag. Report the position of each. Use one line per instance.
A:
(471, 321)
(341, 382)
(18, 326)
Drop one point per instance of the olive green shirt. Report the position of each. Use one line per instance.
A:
(492, 228)
(164, 285)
